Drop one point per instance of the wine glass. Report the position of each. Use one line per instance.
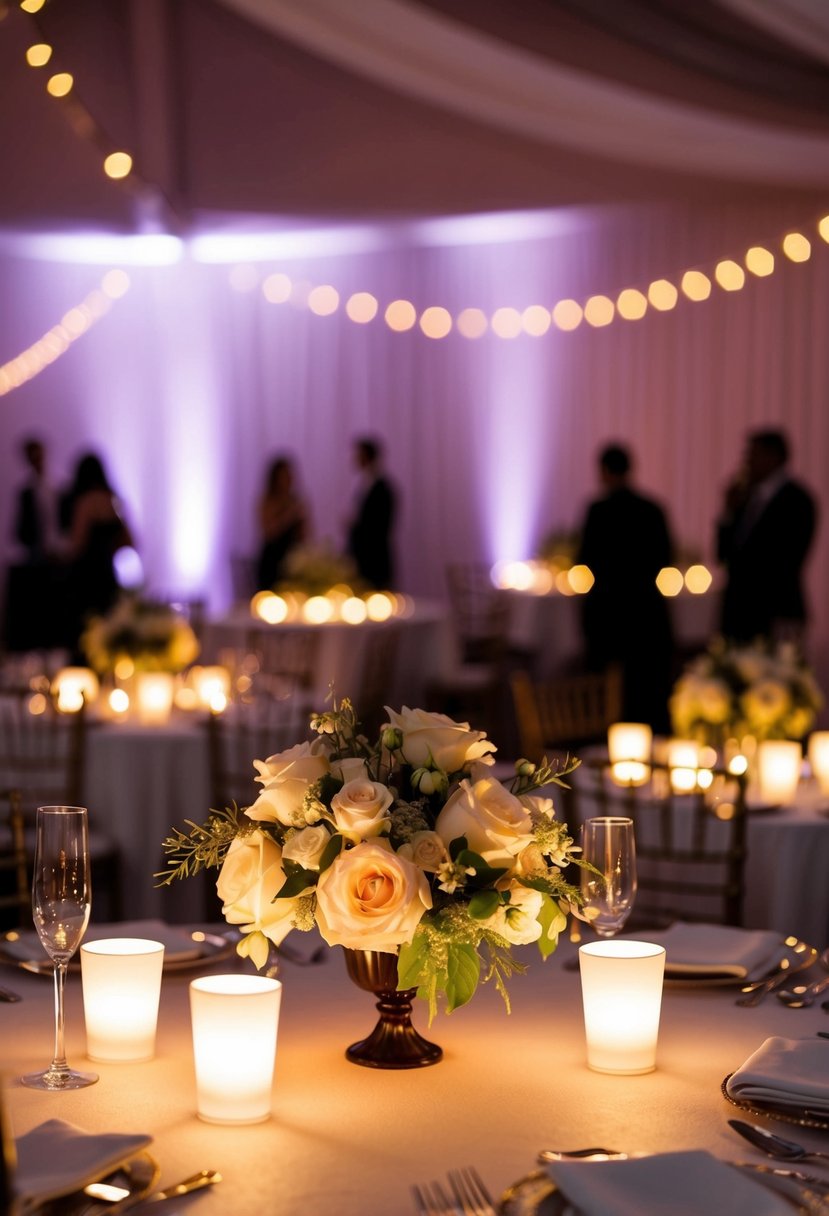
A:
(60, 908)
(608, 844)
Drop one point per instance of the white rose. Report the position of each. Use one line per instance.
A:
(360, 809)
(426, 850)
(286, 778)
(494, 822)
(371, 899)
(251, 875)
(714, 701)
(349, 769)
(433, 740)
(307, 847)
(541, 809)
(518, 921)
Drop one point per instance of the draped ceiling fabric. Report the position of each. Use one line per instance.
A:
(623, 142)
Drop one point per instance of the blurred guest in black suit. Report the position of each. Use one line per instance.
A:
(283, 520)
(626, 542)
(763, 537)
(369, 533)
(36, 516)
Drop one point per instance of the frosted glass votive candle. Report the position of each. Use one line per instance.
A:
(235, 1020)
(121, 979)
(621, 985)
(778, 770)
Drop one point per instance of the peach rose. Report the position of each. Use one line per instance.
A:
(361, 809)
(371, 899)
(433, 740)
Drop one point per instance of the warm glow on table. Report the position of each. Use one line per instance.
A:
(74, 685)
(154, 696)
(629, 748)
(621, 983)
(121, 979)
(778, 770)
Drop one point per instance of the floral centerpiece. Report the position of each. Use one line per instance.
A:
(150, 635)
(406, 846)
(315, 570)
(733, 691)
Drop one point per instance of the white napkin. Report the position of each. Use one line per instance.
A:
(693, 949)
(669, 1184)
(788, 1072)
(57, 1158)
(178, 943)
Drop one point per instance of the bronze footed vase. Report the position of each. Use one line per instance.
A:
(394, 1042)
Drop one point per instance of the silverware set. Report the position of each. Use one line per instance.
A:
(469, 1196)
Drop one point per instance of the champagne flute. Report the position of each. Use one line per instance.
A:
(60, 908)
(608, 844)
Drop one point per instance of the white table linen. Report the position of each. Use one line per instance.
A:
(351, 1140)
(787, 1071)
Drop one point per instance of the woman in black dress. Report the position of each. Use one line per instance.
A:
(283, 523)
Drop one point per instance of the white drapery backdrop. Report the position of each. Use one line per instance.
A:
(188, 388)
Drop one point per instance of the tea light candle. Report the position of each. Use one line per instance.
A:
(621, 985)
(74, 685)
(121, 979)
(629, 748)
(235, 1020)
(212, 686)
(154, 695)
(819, 758)
(778, 768)
(683, 761)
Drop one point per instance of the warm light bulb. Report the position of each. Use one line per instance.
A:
(435, 322)
(324, 300)
(276, 288)
(662, 295)
(631, 304)
(536, 320)
(669, 580)
(32, 6)
(567, 315)
(796, 247)
(698, 579)
(38, 54)
(118, 165)
(361, 307)
(400, 315)
(695, 285)
(60, 84)
(759, 261)
(115, 283)
(471, 323)
(823, 228)
(506, 322)
(598, 311)
(729, 275)
(580, 579)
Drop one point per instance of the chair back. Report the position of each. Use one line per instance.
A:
(690, 847)
(566, 712)
(249, 732)
(379, 657)
(41, 751)
(15, 896)
(480, 612)
(287, 661)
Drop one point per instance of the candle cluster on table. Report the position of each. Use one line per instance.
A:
(540, 577)
(337, 605)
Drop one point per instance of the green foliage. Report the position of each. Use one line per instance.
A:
(205, 846)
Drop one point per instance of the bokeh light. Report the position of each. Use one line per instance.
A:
(599, 311)
(662, 295)
(506, 322)
(472, 323)
(38, 54)
(759, 261)
(118, 165)
(631, 304)
(361, 307)
(277, 288)
(567, 315)
(60, 84)
(669, 580)
(400, 315)
(435, 322)
(696, 285)
(729, 275)
(536, 320)
(796, 247)
(323, 300)
(698, 579)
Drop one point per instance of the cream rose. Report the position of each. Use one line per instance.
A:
(371, 899)
(286, 779)
(307, 847)
(426, 850)
(493, 820)
(518, 921)
(251, 875)
(361, 809)
(433, 740)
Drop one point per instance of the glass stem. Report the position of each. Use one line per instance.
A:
(59, 1062)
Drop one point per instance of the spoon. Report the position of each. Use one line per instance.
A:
(774, 1145)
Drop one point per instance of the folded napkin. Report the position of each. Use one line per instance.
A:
(178, 943)
(669, 1184)
(57, 1158)
(787, 1072)
(693, 949)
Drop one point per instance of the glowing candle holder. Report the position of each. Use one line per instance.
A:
(683, 762)
(154, 696)
(73, 686)
(121, 979)
(778, 770)
(819, 758)
(212, 687)
(235, 1020)
(629, 748)
(621, 986)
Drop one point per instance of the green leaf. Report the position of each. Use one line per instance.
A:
(297, 881)
(463, 970)
(485, 874)
(331, 852)
(548, 917)
(484, 904)
(457, 847)
(410, 960)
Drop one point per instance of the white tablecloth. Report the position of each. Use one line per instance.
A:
(351, 1140)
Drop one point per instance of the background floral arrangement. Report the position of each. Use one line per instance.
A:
(746, 690)
(407, 845)
(152, 635)
(315, 569)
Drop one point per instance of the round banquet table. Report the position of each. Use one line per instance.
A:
(349, 1140)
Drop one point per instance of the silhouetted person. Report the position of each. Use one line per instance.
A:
(283, 521)
(96, 532)
(626, 542)
(36, 518)
(369, 534)
(763, 537)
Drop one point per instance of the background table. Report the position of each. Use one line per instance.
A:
(351, 1140)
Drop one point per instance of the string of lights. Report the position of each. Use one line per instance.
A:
(597, 311)
(57, 340)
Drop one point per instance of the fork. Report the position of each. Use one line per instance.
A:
(470, 1196)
